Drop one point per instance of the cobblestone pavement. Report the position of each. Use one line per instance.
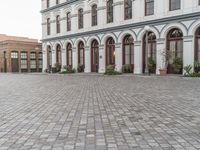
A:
(93, 112)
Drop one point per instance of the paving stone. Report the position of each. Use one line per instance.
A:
(88, 112)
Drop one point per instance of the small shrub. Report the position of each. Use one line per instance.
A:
(68, 69)
(110, 70)
(177, 65)
(188, 70)
(80, 68)
(127, 68)
(197, 66)
(195, 75)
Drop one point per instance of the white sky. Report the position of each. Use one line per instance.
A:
(21, 18)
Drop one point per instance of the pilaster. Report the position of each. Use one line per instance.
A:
(137, 57)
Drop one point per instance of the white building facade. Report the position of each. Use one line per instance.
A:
(97, 33)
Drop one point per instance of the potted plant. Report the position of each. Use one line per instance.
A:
(177, 65)
(166, 55)
(81, 68)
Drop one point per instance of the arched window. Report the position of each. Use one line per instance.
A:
(149, 7)
(150, 52)
(94, 15)
(81, 54)
(69, 55)
(48, 26)
(127, 9)
(175, 46)
(128, 51)
(80, 18)
(47, 3)
(58, 24)
(58, 57)
(197, 48)
(109, 11)
(110, 51)
(174, 4)
(33, 62)
(24, 62)
(95, 56)
(68, 21)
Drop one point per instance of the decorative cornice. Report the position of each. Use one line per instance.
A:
(132, 25)
(59, 5)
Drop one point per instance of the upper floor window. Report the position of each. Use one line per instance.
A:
(127, 9)
(109, 11)
(47, 3)
(174, 4)
(58, 24)
(48, 27)
(94, 15)
(57, 2)
(68, 21)
(149, 7)
(80, 18)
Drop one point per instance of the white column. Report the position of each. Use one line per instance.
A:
(64, 62)
(102, 59)
(118, 56)
(137, 57)
(53, 57)
(44, 56)
(87, 60)
(75, 58)
(188, 51)
(159, 57)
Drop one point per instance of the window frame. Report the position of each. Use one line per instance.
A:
(94, 15)
(58, 24)
(68, 21)
(80, 18)
(148, 3)
(127, 7)
(48, 26)
(110, 11)
(175, 7)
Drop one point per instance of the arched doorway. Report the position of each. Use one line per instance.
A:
(94, 56)
(69, 55)
(58, 58)
(81, 57)
(175, 48)
(150, 52)
(110, 52)
(197, 50)
(128, 53)
(49, 58)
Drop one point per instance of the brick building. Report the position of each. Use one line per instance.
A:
(20, 54)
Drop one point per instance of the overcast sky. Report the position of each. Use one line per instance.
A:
(21, 18)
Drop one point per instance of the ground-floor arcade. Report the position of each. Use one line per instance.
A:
(133, 47)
